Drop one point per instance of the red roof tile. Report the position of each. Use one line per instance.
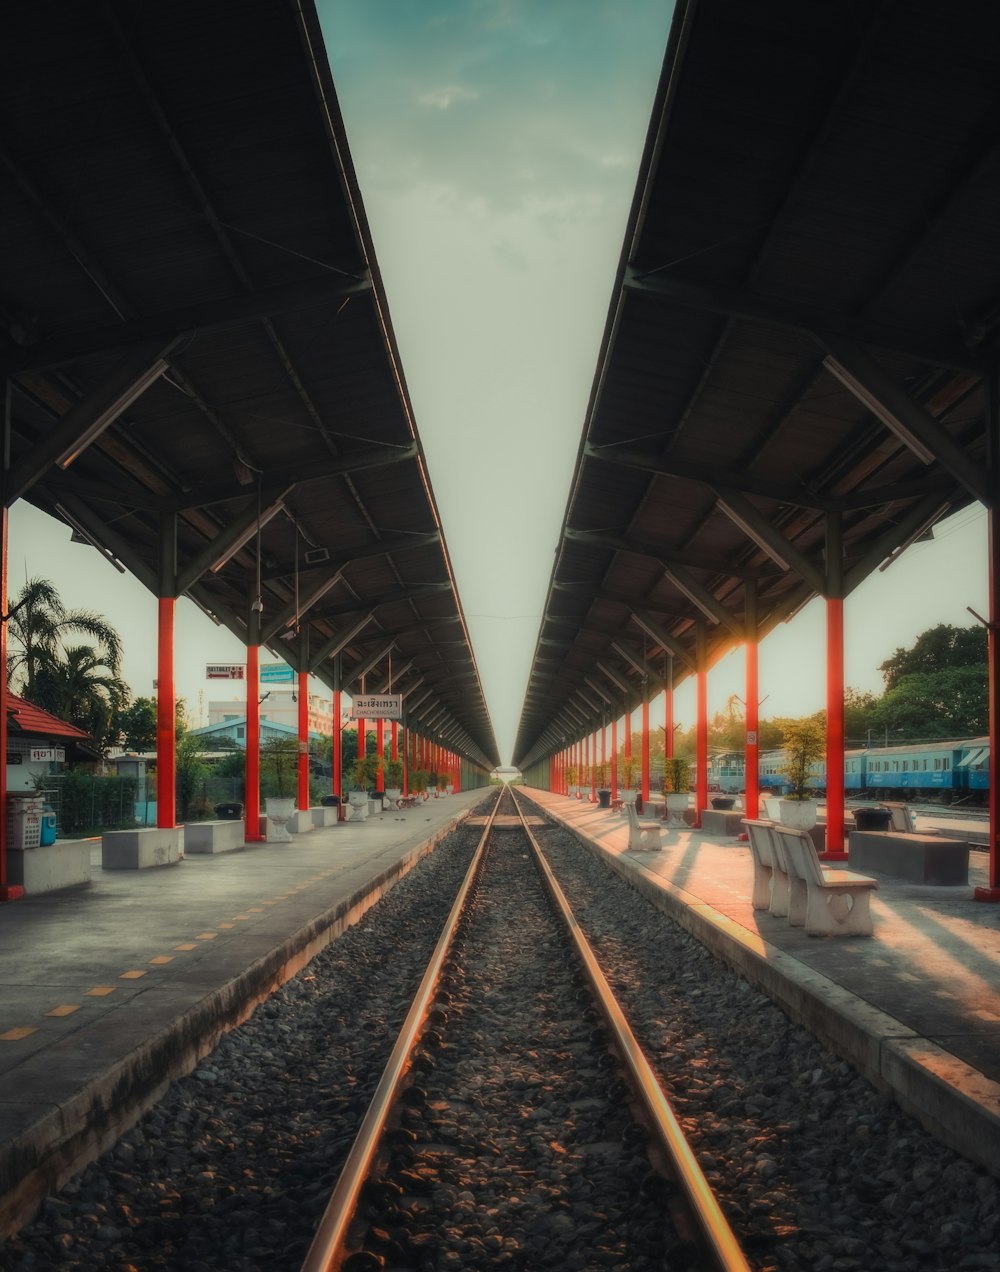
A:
(25, 717)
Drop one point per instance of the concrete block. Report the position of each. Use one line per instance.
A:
(928, 859)
(64, 864)
(214, 836)
(141, 848)
(728, 824)
(324, 816)
(301, 821)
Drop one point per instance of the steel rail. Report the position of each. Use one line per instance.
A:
(712, 1223)
(326, 1251)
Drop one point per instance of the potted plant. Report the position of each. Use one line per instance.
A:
(358, 781)
(803, 745)
(393, 774)
(677, 788)
(571, 786)
(278, 766)
(629, 769)
(432, 783)
(418, 782)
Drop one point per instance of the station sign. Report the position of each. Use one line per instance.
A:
(225, 671)
(276, 674)
(377, 706)
(53, 754)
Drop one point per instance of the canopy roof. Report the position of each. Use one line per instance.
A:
(198, 346)
(793, 383)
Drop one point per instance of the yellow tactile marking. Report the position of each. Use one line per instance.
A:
(206, 936)
(255, 909)
(986, 1015)
(15, 1035)
(189, 946)
(67, 1009)
(160, 959)
(227, 925)
(243, 918)
(131, 975)
(100, 991)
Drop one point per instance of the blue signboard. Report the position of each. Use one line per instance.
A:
(276, 674)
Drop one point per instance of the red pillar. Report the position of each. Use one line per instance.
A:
(751, 757)
(8, 891)
(361, 738)
(404, 752)
(394, 740)
(604, 754)
(668, 713)
(834, 730)
(627, 753)
(303, 704)
(252, 811)
(380, 747)
(166, 737)
(614, 759)
(336, 744)
(645, 749)
(592, 765)
(701, 729)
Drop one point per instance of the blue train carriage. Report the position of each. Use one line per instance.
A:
(772, 781)
(926, 766)
(727, 771)
(855, 769)
(973, 770)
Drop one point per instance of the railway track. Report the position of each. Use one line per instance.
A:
(597, 1172)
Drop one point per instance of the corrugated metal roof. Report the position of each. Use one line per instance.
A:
(819, 182)
(179, 185)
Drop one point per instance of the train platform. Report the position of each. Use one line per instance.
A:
(113, 989)
(916, 1008)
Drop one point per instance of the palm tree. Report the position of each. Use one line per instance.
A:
(81, 687)
(36, 629)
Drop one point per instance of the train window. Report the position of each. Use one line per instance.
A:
(925, 766)
(946, 763)
(906, 766)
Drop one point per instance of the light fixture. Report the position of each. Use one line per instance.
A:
(258, 523)
(84, 534)
(107, 416)
(879, 409)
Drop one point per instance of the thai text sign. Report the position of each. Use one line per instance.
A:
(225, 671)
(50, 753)
(276, 674)
(378, 706)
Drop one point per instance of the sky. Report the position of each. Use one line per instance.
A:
(497, 145)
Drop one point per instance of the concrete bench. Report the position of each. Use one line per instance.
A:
(918, 858)
(214, 836)
(140, 849)
(643, 836)
(64, 864)
(324, 815)
(826, 902)
(767, 873)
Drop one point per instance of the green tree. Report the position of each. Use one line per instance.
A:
(860, 716)
(190, 774)
(36, 631)
(138, 725)
(81, 688)
(937, 649)
(952, 703)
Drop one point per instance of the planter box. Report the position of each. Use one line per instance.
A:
(300, 821)
(64, 864)
(324, 816)
(214, 836)
(140, 849)
(715, 821)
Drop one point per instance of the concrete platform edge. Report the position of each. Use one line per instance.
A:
(65, 1137)
(954, 1102)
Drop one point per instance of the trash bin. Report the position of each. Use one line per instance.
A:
(330, 801)
(229, 812)
(604, 799)
(724, 802)
(872, 818)
(47, 830)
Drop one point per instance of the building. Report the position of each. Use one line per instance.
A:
(39, 743)
(278, 706)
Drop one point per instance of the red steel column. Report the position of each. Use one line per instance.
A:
(303, 766)
(668, 711)
(8, 891)
(751, 758)
(701, 729)
(834, 730)
(604, 753)
(380, 745)
(336, 743)
(361, 738)
(394, 740)
(627, 752)
(252, 811)
(614, 759)
(645, 749)
(834, 690)
(992, 891)
(592, 765)
(166, 738)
